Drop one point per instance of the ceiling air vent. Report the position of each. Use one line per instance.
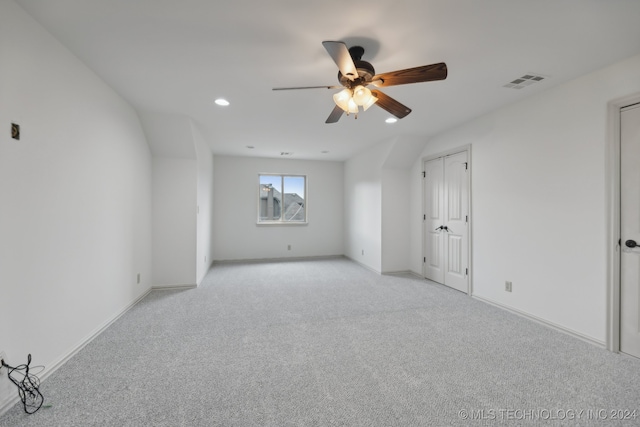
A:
(286, 153)
(526, 80)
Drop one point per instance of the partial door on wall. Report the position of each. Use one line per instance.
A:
(630, 230)
(446, 221)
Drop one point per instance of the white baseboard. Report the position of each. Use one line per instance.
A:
(402, 273)
(362, 265)
(544, 322)
(10, 401)
(173, 287)
(199, 281)
(282, 259)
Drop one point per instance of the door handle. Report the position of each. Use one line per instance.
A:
(629, 243)
(447, 229)
(439, 228)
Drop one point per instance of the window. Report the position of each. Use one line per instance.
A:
(282, 199)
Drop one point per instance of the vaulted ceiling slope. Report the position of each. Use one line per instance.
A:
(174, 57)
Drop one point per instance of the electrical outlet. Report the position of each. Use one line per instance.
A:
(363, 252)
(288, 247)
(3, 358)
(138, 278)
(508, 286)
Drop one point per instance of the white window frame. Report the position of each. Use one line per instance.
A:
(281, 220)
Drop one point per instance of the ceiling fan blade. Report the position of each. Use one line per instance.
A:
(391, 105)
(335, 115)
(307, 87)
(426, 73)
(341, 56)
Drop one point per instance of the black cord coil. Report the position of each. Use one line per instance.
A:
(27, 385)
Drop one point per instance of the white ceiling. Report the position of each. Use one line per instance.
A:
(174, 57)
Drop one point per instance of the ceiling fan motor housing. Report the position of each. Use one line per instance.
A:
(365, 69)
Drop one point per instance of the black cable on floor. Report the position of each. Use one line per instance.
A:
(27, 386)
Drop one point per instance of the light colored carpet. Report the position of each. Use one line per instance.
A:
(329, 343)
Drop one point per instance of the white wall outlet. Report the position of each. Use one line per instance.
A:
(508, 286)
(363, 252)
(138, 279)
(288, 247)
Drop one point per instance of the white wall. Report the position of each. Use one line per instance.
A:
(75, 199)
(378, 204)
(183, 199)
(236, 204)
(395, 203)
(204, 230)
(363, 206)
(174, 221)
(539, 205)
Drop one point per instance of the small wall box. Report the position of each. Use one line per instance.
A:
(15, 131)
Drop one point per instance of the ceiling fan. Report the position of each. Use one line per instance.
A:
(355, 75)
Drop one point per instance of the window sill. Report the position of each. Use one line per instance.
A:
(285, 223)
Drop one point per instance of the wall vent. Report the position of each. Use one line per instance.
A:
(526, 80)
(286, 153)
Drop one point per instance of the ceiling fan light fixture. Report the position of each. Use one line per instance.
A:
(352, 107)
(372, 100)
(361, 95)
(342, 99)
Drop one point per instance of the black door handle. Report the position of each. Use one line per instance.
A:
(631, 244)
(439, 228)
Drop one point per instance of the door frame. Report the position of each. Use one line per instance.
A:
(613, 197)
(461, 149)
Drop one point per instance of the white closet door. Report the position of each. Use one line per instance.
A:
(434, 219)
(630, 231)
(456, 195)
(446, 232)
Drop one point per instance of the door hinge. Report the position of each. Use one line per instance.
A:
(466, 218)
(424, 217)
(466, 272)
(466, 165)
(424, 174)
(424, 259)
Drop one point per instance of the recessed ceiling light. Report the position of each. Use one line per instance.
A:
(391, 120)
(221, 101)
